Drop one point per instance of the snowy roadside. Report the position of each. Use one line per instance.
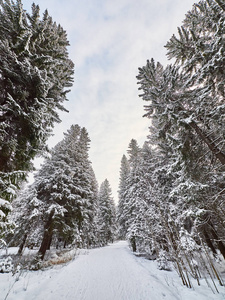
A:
(108, 273)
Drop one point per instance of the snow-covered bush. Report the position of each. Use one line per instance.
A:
(6, 265)
(162, 261)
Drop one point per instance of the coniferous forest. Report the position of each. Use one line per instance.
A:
(171, 190)
(171, 194)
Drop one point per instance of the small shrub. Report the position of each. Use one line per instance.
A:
(6, 265)
(162, 261)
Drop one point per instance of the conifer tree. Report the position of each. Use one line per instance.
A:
(124, 174)
(134, 214)
(186, 105)
(27, 216)
(35, 74)
(106, 214)
(134, 160)
(64, 196)
(189, 113)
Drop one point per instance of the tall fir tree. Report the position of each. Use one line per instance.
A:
(35, 74)
(65, 195)
(186, 105)
(106, 214)
(128, 204)
(124, 175)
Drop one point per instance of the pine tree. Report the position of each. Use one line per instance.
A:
(137, 200)
(90, 223)
(106, 214)
(27, 215)
(199, 50)
(35, 71)
(72, 190)
(9, 185)
(124, 174)
(35, 74)
(186, 107)
(64, 196)
(134, 160)
(199, 46)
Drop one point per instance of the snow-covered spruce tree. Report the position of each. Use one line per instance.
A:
(180, 106)
(187, 105)
(106, 214)
(27, 215)
(87, 181)
(35, 74)
(151, 231)
(138, 211)
(199, 46)
(199, 51)
(9, 184)
(186, 167)
(66, 193)
(73, 188)
(176, 193)
(133, 161)
(90, 225)
(124, 174)
(132, 200)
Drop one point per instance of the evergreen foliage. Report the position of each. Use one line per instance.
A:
(124, 175)
(35, 74)
(62, 201)
(173, 203)
(134, 199)
(106, 214)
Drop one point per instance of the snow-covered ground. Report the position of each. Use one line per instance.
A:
(108, 273)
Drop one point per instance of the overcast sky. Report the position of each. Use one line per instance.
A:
(109, 41)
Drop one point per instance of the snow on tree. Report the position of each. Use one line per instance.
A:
(125, 212)
(106, 214)
(90, 223)
(27, 216)
(199, 50)
(124, 174)
(185, 103)
(199, 47)
(133, 200)
(35, 74)
(9, 184)
(64, 196)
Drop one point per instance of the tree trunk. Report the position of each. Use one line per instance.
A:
(133, 244)
(209, 242)
(46, 241)
(49, 243)
(220, 244)
(64, 245)
(22, 245)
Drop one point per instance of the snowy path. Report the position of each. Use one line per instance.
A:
(109, 273)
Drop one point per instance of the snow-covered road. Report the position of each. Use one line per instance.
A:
(108, 273)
